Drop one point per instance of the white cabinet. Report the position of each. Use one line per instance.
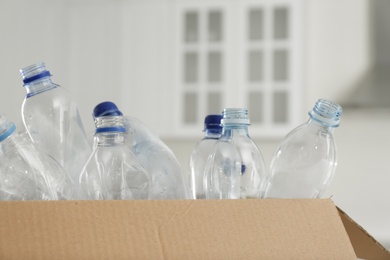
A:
(238, 54)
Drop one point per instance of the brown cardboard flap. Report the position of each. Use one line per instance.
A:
(365, 246)
(201, 229)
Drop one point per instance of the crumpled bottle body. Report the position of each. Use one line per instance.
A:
(167, 178)
(113, 173)
(29, 173)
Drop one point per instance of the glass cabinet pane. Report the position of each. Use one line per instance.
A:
(256, 106)
(256, 24)
(214, 67)
(190, 108)
(280, 68)
(214, 103)
(191, 27)
(191, 65)
(281, 23)
(255, 66)
(215, 26)
(280, 107)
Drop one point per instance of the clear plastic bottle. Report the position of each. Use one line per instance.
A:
(304, 163)
(112, 172)
(167, 178)
(235, 169)
(52, 120)
(200, 153)
(26, 171)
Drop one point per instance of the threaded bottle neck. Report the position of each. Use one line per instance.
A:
(36, 79)
(326, 112)
(235, 117)
(110, 130)
(111, 124)
(33, 73)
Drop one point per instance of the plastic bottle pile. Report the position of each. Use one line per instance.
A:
(54, 160)
(302, 166)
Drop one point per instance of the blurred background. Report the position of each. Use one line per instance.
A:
(169, 63)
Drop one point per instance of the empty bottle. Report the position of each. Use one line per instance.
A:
(167, 178)
(27, 172)
(235, 168)
(200, 153)
(112, 172)
(51, 118)
(304, 163)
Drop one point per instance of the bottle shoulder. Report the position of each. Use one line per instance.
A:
(309, 133)
(53, 92)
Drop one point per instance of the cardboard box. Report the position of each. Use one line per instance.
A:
(183, 229)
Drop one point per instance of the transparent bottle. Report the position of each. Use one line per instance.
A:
(304, 163)
(26, 171)
(167, 178)
(235, 169)
(200, 153)
(112, 172)
(52, 120)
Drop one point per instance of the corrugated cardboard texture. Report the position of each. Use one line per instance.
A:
(366, 247)
(202, 229)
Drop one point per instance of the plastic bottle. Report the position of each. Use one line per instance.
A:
(26, 171)
(200, 153)
(112, 172)
(51, 118)
(167, 178)
(235, 169)
(304, 163)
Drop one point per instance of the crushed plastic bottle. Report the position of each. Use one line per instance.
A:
(26, 171)
(112, 172)
(168, 180)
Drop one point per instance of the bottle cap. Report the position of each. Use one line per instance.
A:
(6, 127)
(326, 112)
(106, 109)
(213, 122)
(34, 72)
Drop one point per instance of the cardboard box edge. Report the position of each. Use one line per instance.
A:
(379, 249)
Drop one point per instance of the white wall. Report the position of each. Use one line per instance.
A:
(88, 46)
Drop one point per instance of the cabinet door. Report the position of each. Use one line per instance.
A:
(271, 62)
(202, 63)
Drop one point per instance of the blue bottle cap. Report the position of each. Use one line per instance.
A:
(213, 122)
(106, 109)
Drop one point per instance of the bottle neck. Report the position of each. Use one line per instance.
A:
(235, 129)
(318, 124)
(38, 86)
(110, 138)
(212, 134)
(7, 130)
(110, 130)
(11, 141)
